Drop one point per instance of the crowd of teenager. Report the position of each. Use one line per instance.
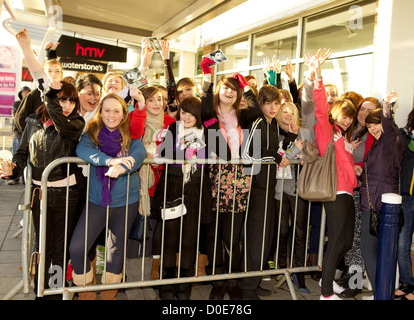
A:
(233, 217)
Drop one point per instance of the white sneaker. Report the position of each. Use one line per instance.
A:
(336, 287)
(368, 297)
(332, 297)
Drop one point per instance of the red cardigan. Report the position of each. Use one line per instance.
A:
(137, 128)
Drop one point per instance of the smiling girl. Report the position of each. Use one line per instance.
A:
(184, 140)
(108, 147)
(51, 133)
(340, 214)
(382, 167)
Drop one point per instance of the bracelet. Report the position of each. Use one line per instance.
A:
(319, 78)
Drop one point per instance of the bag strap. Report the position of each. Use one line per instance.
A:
(366, 182)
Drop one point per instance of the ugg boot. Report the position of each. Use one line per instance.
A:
(78, 280)
(202, 263)
(149, 292)
(155, 275)
(134, 273)
(110, 278)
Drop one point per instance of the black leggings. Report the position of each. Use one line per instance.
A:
(340, 220)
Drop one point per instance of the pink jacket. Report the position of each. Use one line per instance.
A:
(346, 181)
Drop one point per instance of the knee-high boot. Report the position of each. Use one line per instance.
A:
(134, 273)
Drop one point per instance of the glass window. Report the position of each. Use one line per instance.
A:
(280, 42)
(237, 53)
(348, 74)
(343, 28)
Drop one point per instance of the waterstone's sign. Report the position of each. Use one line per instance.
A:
(71, 47)
(83, 65)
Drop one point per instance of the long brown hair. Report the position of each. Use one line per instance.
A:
(346, 108)
(230, 83)
(68, 91)
(96, 124)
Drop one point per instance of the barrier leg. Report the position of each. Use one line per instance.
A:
(387, 247)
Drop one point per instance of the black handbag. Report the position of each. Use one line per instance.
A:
(374, 215)
(137, 229)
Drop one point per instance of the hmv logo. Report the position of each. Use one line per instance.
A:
(89, 52)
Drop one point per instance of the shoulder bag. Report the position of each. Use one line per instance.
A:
(317, 181)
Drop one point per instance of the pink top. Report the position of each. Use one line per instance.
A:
(346, 178)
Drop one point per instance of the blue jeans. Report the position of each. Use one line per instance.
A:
(404, 242)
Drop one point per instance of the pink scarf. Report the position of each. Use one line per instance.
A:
(232, 132)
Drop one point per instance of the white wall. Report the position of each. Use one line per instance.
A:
(394, 49)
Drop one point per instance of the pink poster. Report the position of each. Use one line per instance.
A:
(6, 103)
(7, 81)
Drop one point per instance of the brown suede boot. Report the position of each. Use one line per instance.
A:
(78, 279)
(202, 263)
(111, 293)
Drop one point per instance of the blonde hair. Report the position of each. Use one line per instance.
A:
(290, 106)
(113, 74)
(96, 124)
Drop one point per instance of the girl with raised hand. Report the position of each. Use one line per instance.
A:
(152, 132)
(340, 214)
(380, 174)
(51, 133)
(43, 75)
(223, 118)
(177, 92)
(115, 159)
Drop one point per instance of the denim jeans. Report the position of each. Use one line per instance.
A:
(405, 240)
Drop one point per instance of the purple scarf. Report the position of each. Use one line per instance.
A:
(110, 144)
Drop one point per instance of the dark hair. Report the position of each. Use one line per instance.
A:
(184, 82)
(374, 116)
(192, 105)
(230, 83)
(364, 130)
(67, 92)
(87, 79)
(268, 93)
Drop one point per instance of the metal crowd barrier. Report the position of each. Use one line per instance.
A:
(67, 291)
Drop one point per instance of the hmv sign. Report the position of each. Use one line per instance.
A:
(71, 47)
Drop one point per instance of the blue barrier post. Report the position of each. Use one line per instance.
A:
(387, 247)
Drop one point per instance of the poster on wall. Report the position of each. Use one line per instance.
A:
(10, 71)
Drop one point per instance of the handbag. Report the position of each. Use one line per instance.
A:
(317, 181)
(374, 215)
(173, 209)
(138, 227)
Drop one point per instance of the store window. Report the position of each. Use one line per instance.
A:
(237, 53)
(280, 42)
(346, 28)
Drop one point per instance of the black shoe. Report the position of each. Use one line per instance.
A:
(262, 292)
(234, 293)
(406, 288)
(167, 293)
(250, 295)
(350, 293)
(217, 293)
(183, 296)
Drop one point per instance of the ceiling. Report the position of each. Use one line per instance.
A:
(121, 20)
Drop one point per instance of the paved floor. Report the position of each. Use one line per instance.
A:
(10, 250)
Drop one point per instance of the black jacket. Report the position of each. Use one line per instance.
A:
(262, 145)
(43, 145)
